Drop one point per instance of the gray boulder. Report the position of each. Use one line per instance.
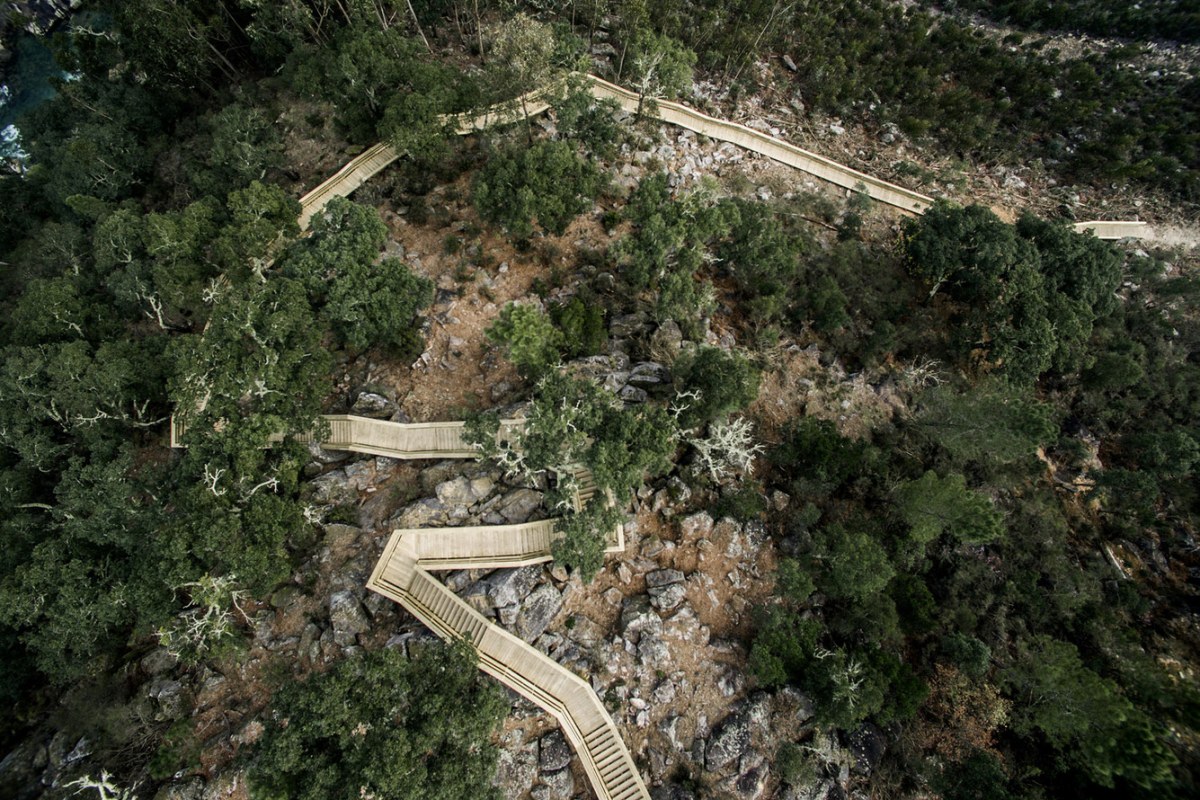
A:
(553, 752)
(333, 488)
(191, 789)
(519, 505)
(663, 577)
(558, 785)
(667, 598)
(696, 526)
(508, 587)
(728, 744)
(516, 769)
(373, 405)
(429, 512)
(638, 618)
(751, 784)
(536, 612)
(649, 373)
(632, 394)
(168, 694)
(462, 491)
(346, 614)
(867, 744)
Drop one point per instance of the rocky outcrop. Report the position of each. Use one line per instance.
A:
(536, 611)
(518, 765)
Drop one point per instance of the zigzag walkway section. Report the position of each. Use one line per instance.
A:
(371, 161)
(402, 576)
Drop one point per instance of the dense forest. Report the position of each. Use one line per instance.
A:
(957, 576)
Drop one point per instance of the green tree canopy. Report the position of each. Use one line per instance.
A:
(529, 337)
(1085, 716)
(548, 182)
(366, 303)
(932, 505)
(991, 420)
(383, 726)
(719, 382)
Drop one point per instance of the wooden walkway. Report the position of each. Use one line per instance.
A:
(367, 164)
(359, 170)
(391, 439)
(402, 576)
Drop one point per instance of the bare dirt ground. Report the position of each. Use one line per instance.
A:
(477, 271)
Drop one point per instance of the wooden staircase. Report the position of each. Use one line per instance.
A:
(586, 724)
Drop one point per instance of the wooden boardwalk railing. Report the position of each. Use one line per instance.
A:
(391, 439)
(360, 169)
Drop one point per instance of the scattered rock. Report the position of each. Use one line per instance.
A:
(333, 488)
(668, 597)
(672, 792)
(169, 696)
(663, 577)
(653, 652)
(680, 492)
(696, 526)
(637, 617)
(787, 62)
(158, 661)
(626, 326)
(1012, 181)
(286, 596)
(192, 789)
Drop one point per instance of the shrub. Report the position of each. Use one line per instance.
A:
(530, 338)
(794, 767)
(584, 536)
(721, 382)
(549, 182)
(582, 326)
